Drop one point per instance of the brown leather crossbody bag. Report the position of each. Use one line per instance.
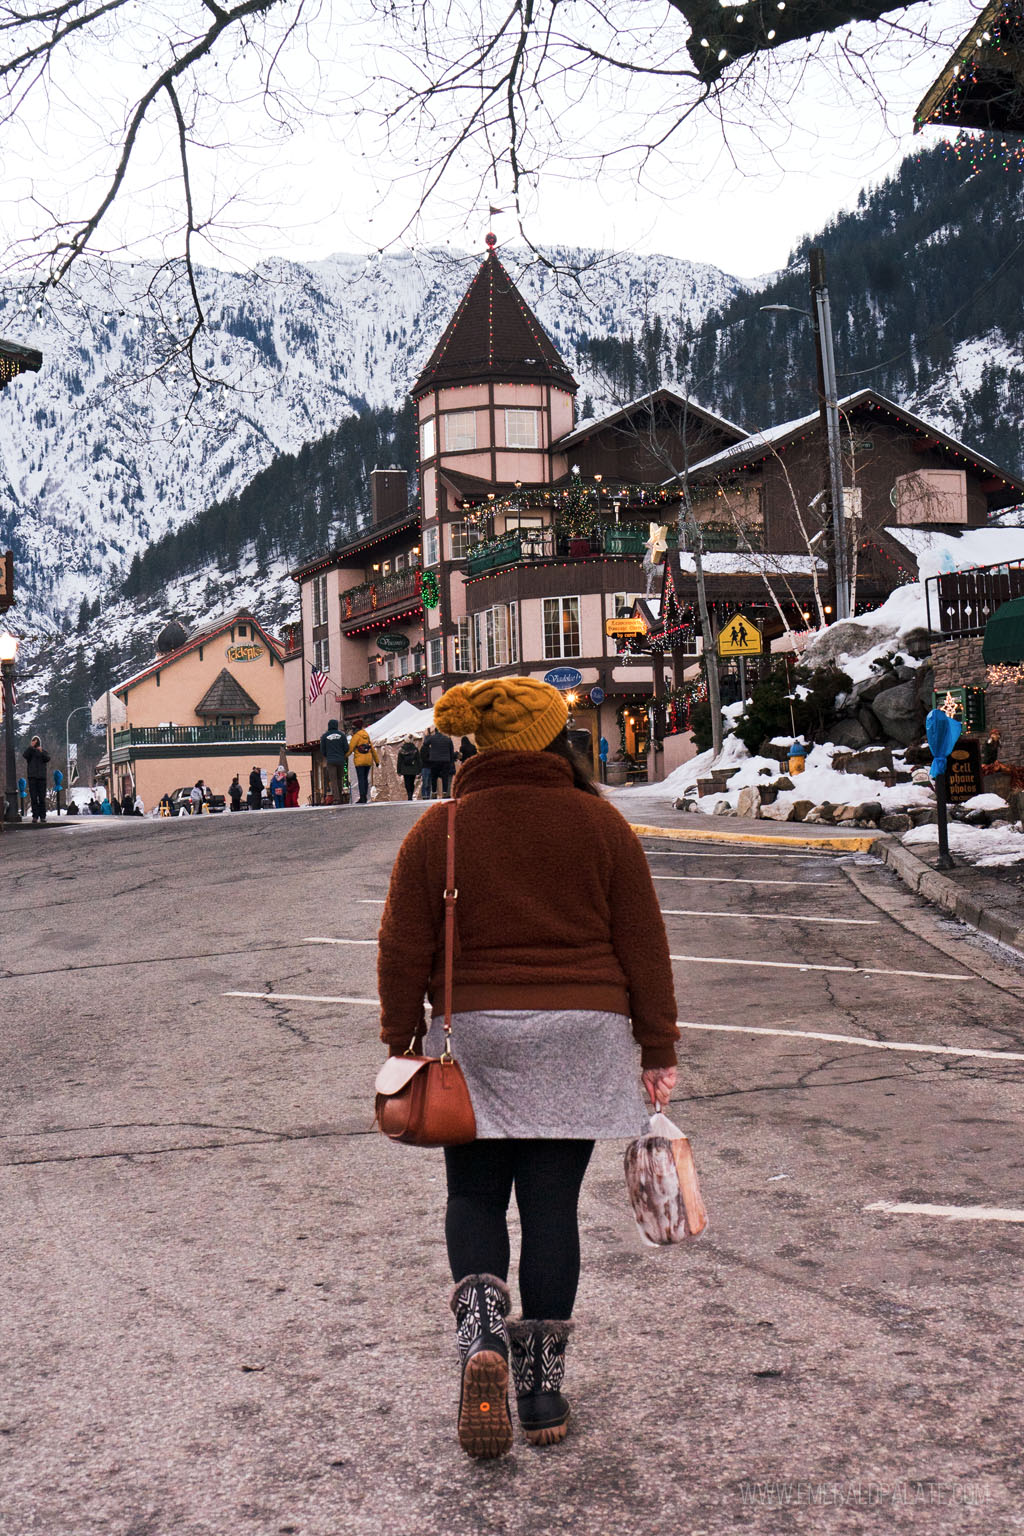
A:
(424, 1100)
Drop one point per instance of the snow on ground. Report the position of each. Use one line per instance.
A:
(820, 782)
(986, 847)
(984, 803)
(855, 644)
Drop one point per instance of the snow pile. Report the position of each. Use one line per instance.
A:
(853, 645)
(986, 847)
(937, 552)
(984, 803)
(820, 782)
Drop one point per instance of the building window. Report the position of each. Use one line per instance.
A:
(431, 546)
(460, 430)
(464, 537)
(622, 604)
(524, 520)
(322, 655)
(462, 647)
(434, 657)
(561, 627)
(319, 600)
(428, 439)
(513, 632)
(522, 428)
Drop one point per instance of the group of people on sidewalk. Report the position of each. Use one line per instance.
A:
(336, 749)
(429, 763)
(562, 1004)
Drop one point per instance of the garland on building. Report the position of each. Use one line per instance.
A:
(430, 590)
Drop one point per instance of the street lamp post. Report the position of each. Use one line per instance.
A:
(67, 742)
(821, 320)
(8, 656)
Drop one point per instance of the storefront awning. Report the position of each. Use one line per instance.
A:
(1004, 634)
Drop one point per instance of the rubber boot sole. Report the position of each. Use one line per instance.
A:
(551, 1434)
(485, 1428)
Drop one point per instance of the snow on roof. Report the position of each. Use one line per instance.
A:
(937, 552)
(767, 437)
(589, 424)
(749, 563)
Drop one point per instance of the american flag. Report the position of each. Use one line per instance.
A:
(317, 684)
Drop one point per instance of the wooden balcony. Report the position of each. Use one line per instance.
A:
(383, 595)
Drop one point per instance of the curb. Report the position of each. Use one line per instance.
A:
(856, 843)
(937, 888)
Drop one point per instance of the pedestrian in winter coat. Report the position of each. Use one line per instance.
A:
(255, 790)
(128, 804)
(560, 1005)
(105, 807)
(364, 755)
(408, 765)
(235, 794)
(291, 791)
(278, 787)
(426, 776)
(441, 757)
(35, 772)
(196, 797)
(334, 751)
(466, 750)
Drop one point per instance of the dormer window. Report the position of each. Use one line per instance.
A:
(460, 431)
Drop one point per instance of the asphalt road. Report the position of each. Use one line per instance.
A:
(225, 1298)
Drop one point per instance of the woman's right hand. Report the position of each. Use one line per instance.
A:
(659, 1083)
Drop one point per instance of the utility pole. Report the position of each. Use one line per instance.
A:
(828, 396)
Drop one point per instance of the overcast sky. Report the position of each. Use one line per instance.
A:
(739, 200)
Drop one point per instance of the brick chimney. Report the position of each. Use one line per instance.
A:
(389, 494)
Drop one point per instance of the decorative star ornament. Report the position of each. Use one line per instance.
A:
(657, 543)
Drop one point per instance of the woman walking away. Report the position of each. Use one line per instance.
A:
(408, 765)
(364, 754)
(291, 791)
(562, 998)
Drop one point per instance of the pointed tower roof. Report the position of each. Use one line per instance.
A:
(493, 334)
(226, 696)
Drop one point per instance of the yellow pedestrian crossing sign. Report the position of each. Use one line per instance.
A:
(740, 636)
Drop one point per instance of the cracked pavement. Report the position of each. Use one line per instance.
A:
(225, 1298)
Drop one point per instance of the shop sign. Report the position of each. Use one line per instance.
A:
(597, 695)
(244, 652)
(965, 704)
(563, 677)
(963, 776)
(393, 642)
(634, 626)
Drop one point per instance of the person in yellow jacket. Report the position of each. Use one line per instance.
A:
(364, 755)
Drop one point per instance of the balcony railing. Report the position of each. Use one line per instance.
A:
(383, 592)
(960, 603)
(196, 735)
(524, 544)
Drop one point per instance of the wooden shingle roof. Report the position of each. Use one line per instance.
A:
(226, 696)
(493, 334)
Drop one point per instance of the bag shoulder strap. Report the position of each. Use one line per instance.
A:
(451, 896)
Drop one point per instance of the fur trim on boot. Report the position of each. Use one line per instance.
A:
(538, 1368)
(481, 1304)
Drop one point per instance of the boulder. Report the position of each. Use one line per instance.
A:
(826, 811)
(870, 762)
(846, 813)
(783, 782)
(895, 821)
(870, 810)
(800, 809)
(868, 721)
(925, 818)
(849, 733)
(899, 713)
(871, 688)
(907, 674)
(1000, 818)
(723, 808)
(748, 802)
(775, 812)
(1016, 804)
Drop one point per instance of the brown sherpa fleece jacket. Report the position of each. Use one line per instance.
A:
(556, 907)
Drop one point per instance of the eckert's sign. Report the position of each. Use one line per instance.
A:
(244, 652)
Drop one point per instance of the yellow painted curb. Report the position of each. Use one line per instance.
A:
(856, 843)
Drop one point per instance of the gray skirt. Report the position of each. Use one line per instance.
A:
(567, 1073)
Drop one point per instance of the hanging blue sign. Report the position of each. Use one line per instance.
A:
(563, 677)
(597, 695)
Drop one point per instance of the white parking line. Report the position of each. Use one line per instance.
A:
(369, 901)
(729, 1029)
(817, 885)
(305, 997)
(951, 1212)
(759, 917)
(799, 965)
(783, 853)
(871, 1045)
(339, 941)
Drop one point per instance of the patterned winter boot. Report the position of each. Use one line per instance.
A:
(538, 1367)
(481, 1304)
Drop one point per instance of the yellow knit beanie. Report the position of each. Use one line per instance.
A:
(503, 714)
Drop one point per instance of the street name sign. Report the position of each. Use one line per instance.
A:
(740, 636)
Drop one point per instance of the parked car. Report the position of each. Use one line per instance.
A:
(181, 801)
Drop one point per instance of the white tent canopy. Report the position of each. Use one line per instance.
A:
(404, 720)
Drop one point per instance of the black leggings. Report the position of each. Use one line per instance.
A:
(547, 1176)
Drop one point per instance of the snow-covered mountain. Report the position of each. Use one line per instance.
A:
(101, 452)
